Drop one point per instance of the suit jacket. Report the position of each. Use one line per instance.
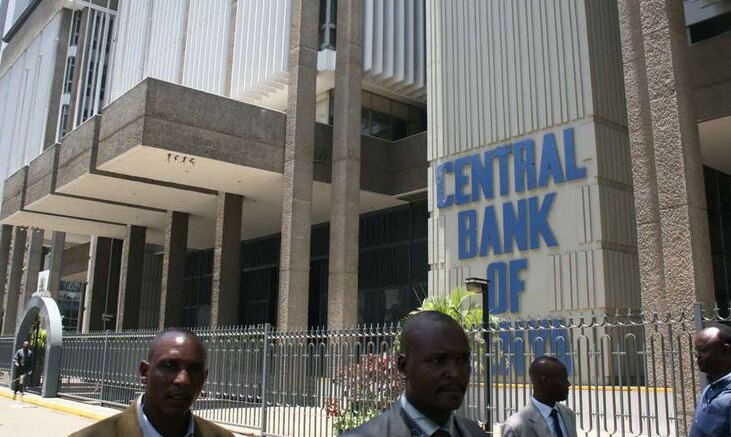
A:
(125, 424)
(528, 422)
(391, 423)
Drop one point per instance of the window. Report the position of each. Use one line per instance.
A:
(69, 78)
(328, 20)
(75, 28)
(63, 121)
(386, 118)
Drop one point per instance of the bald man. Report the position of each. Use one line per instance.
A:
(435, 364)
(544, 416)
(713, 355)
(173, 375)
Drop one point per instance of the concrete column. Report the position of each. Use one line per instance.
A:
(642, 152)
(345, 201)
(58, 243)
(100, 299)
(294, 265)
(670, 201)
(672, 224)
(130, 278)
(6, 234)
(172, 297)
(31, 268)
(226, 261)
(12, 286)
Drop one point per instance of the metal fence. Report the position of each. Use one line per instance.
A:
(6, 353)
(632, 375)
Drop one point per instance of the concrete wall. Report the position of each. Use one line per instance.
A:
(539, 87)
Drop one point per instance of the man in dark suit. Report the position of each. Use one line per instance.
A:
(544, 416)
(435, 364)
(173, 374)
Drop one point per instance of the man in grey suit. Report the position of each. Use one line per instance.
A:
(435, 364)
(544, 416)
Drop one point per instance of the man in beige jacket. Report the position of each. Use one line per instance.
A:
(173, 374)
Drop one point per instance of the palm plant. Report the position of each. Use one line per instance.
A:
(460, 305)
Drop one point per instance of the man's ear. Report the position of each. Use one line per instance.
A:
(401, 365)
(144, 368)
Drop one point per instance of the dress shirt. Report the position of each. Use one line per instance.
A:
(545, 411)
(426, 425)
(713, 414)
(149, 431)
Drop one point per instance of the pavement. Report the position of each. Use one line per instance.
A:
(36, 415)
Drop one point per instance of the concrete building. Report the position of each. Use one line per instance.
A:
(306, 163)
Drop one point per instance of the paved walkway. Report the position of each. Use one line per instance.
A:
(18, 418)
(50, 416)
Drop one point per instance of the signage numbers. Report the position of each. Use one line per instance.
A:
(174, 158)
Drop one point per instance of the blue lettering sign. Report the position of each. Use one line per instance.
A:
(461, 180)
(539, 226)
(524, 154)
(442, 200)
(572, 171)
(467, 231)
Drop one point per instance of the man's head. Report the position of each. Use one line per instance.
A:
(173, 373)
(713, 350)
(550, 380)
(435, 362)
(26, 344)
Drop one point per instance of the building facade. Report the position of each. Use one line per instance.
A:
(325, 163)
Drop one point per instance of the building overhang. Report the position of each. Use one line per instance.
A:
(162, 147)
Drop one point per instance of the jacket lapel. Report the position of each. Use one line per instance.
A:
(396, 425)
(128, 425)
(537, 423)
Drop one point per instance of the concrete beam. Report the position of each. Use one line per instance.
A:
(130, 278)
(12, 287)
(6, 234)
(100, 299)
(31, 267)
(55, 269)
(294, 265)
(345, 201)
(226, 261)
(173, 270)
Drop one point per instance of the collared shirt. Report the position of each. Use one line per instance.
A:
(425, 424)
(22, 357)
(149, 431)
(545, 411)
(713, 414)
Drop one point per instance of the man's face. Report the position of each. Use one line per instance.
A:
(557, 383)
(709, 351)
(25, 344)
(174, 376)
(437, 368)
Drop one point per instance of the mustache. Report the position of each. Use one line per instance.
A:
(451, 387)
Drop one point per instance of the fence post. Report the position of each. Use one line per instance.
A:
(104, 367)
(264, 371)
(698, 319)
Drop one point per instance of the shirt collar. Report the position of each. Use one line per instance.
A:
(721, 382)
(544, 409)
(148, 430)
(425, 424)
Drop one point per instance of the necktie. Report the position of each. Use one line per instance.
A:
(440, 433)
(556, 424)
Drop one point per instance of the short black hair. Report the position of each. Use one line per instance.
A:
(414, 321)
(175, 330)
(539, 364)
